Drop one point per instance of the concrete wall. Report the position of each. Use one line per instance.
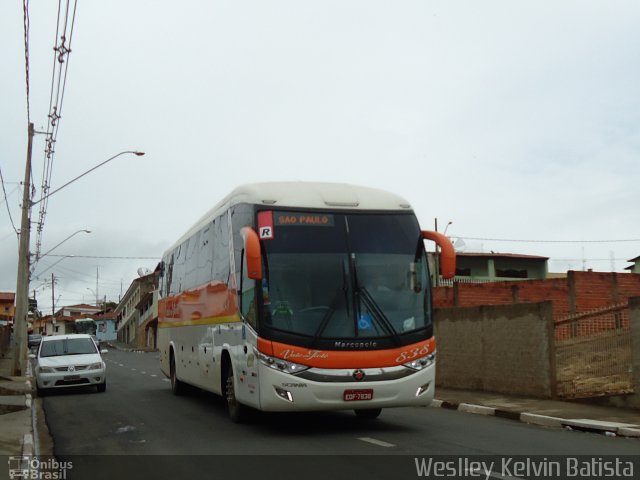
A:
(503, 349)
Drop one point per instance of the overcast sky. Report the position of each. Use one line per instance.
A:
(513, 120)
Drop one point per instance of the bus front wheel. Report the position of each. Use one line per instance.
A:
(237, 411)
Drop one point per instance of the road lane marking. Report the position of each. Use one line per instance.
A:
(380, 443)
(154, 375)
(166, 380)
(143, 373)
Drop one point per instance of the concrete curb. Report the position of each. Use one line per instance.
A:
(595, 426)
(27, 445)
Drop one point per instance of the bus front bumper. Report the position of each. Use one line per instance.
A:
(283, 392)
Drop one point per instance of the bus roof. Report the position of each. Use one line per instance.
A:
(314, 195)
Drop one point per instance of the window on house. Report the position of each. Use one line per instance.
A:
(512, 273)
(463, 272)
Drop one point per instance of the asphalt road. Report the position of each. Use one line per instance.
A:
(145, 429)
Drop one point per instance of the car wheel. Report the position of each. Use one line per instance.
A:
(177, 387)
(102, 387)
(368, 413)
(237, 411)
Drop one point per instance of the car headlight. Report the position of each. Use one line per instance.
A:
(423, 362)
(96, 366)
(46, 370)
(280, 364)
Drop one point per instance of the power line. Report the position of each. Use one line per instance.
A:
(81, 276)
(58, 86)
(11, 192)
(588, 259)
(7, 203)
(110, 258)
(547, 241)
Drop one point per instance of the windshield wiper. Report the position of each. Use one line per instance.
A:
(379, 314)
(333, 305)
(372, 304)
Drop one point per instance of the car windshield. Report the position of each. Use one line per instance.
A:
(67, 346)
(346, 276)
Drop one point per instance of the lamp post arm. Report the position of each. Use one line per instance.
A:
(83, 174)
(52, 249)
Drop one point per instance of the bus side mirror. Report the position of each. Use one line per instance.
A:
(253, 257)
(447, 255)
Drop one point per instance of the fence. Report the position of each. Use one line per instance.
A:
(448, 282)
(593, 353)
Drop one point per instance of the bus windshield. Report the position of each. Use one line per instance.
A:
(345, 276)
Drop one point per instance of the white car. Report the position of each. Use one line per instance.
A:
(69, 361)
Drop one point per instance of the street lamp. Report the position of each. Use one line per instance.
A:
(22, 283)
(94, 292)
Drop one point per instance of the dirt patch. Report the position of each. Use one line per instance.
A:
(597, 365)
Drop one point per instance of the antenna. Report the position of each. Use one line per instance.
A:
(142, 271)
(459, 245)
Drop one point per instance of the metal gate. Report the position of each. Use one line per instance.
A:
(593, 353)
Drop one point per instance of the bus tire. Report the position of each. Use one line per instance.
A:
(177, 387)
(237, 411)
(368, 413)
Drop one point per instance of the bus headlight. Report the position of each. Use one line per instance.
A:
(280, 364)
(420, 363)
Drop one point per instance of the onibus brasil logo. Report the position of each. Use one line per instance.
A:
(33, 468)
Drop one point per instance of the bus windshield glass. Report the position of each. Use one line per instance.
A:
(345, 276)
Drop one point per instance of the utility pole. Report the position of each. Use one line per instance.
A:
(53, 297)
(22, 284)
(97, 285)
(436, 259)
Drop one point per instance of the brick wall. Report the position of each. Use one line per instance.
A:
(579, 292)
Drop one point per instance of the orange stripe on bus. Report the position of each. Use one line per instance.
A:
(347, 358)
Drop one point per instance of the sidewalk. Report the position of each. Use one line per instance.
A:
(549, 413)
(23, 429)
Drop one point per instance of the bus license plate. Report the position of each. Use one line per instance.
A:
(356, 395)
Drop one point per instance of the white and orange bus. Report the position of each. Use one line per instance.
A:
(302, 296)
